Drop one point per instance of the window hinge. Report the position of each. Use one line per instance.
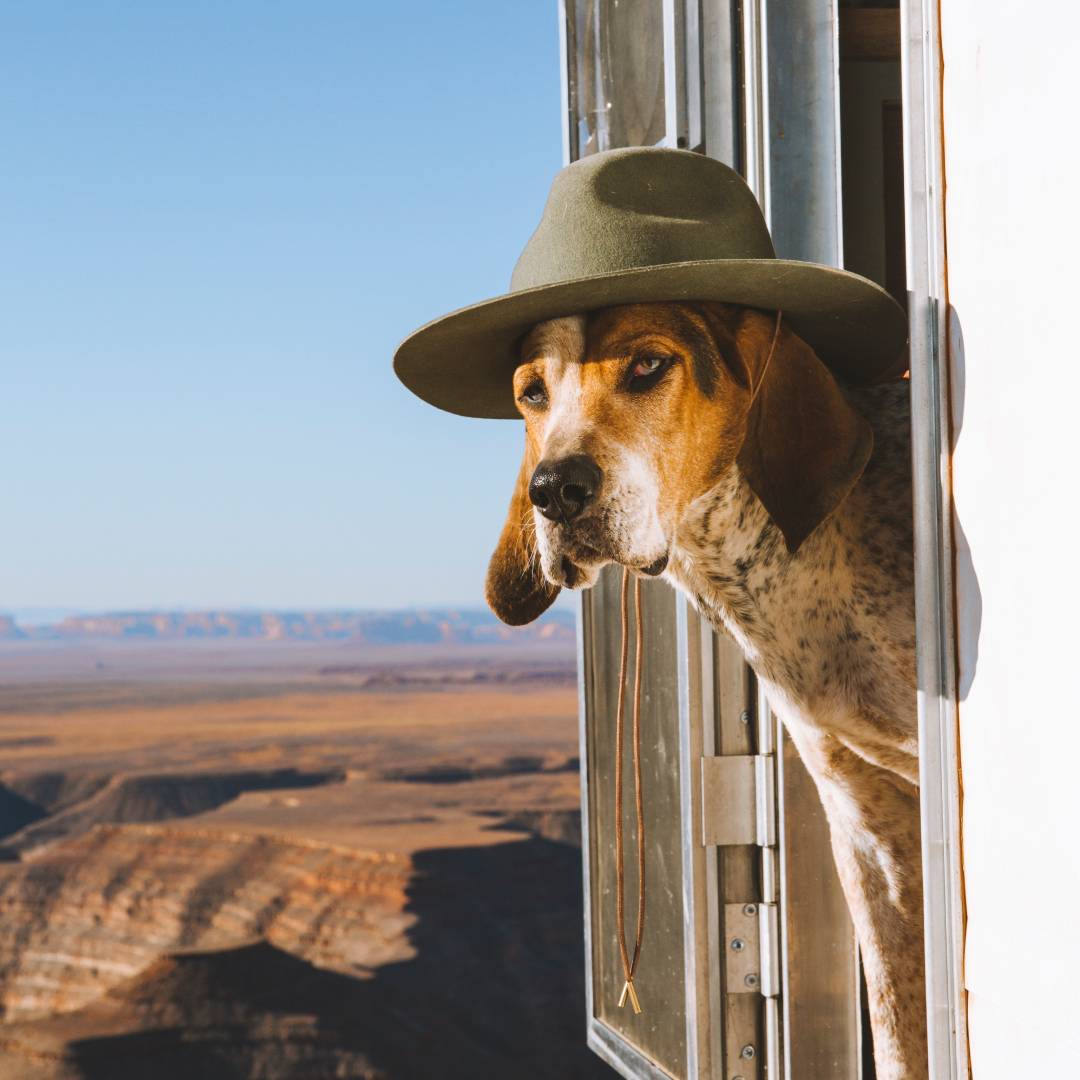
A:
(752, 949)
(738, 800)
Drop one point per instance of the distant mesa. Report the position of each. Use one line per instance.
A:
(442, 677)
(370, 627)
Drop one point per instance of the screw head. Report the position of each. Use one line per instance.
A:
(744, 716)
(747, 1052)
(737, 944)
(736, 1078)
(751, 980)
(749, 909)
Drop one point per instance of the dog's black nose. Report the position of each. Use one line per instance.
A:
(560, 490)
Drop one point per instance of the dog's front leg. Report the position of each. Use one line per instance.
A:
(874, 822)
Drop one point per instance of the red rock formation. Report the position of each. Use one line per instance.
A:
(96, 909)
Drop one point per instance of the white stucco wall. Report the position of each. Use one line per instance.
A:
(1012, 156)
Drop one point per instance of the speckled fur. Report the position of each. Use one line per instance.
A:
(829, 629)
(830, 632)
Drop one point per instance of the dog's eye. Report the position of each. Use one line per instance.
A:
(533, 394)
(647, 370)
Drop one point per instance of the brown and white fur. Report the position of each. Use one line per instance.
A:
(781, 505)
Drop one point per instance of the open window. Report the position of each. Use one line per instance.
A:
(752, 968)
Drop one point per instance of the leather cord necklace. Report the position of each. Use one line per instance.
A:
(630, 963)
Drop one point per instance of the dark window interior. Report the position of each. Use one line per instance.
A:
(872, 167)
(871, 132)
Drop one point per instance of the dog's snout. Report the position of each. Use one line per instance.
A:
(560, 490)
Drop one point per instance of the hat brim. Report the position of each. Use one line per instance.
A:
(463, 362)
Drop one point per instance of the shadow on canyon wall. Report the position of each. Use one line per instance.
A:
(495, 989)
(41, 807)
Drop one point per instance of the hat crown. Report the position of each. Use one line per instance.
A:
(624, 209)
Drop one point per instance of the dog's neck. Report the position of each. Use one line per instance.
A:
(781, 608)
(726, 549)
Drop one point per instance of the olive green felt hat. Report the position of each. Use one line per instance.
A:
(648, 224)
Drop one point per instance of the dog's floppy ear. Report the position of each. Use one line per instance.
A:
(516, 589)
(805, 445)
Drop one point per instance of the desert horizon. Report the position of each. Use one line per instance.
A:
(372, 626)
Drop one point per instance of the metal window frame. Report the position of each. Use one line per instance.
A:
(568, 139)
(683, 120)
(683, 75)
(675, 103)
(935, 608)
(684, 128)
(785, 47)
(683, 71)
(701, 893)
(603, 1040)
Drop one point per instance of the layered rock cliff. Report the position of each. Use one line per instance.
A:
(97, 909)
(139, 951)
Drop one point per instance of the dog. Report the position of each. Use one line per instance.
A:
(707, 444)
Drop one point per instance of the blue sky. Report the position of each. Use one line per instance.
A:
(216, 222)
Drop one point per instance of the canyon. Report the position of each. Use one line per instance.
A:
(313, 862)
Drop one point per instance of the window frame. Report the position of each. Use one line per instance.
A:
(935, 601)
(761, 29)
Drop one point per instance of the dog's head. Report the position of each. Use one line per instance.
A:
(631, 413)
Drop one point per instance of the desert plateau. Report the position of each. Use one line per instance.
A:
(290, 853)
